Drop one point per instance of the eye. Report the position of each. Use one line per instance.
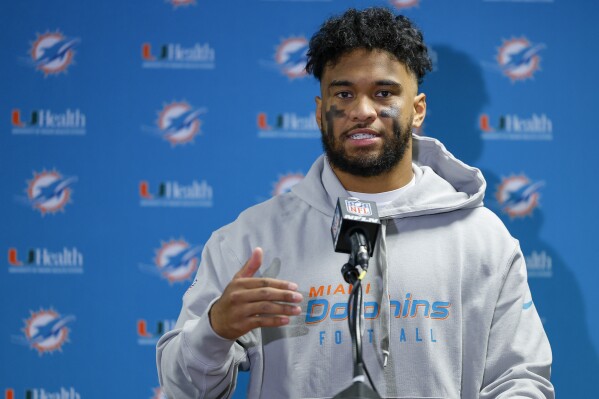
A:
(344, 94)
(384, 94)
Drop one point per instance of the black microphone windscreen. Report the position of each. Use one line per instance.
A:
(351, 214)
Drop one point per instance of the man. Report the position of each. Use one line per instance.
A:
(447, 305)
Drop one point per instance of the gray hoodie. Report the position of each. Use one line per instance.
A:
(448, 311)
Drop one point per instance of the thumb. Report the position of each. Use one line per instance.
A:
(252, 265)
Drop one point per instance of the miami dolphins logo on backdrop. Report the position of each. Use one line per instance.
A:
(518, 196)
(49, 192)
(52, 52)
(179, 122)
(46, 331)
(519, 59)
(175, 261)
(291, 57)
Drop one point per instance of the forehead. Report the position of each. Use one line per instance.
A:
(362, 66)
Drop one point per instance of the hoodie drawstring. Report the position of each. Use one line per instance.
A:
(384, 300)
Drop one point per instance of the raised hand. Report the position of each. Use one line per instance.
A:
(251, 302)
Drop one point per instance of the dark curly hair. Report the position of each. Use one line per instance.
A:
(372, 28)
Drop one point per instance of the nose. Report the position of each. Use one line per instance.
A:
(362, 110)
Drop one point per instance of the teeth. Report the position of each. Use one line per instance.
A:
(360, 136)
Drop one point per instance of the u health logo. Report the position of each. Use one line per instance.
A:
(516, 127)
(42, 260)
(49, 122)
(53, 53)
(149, 335)
(172, 194)
(519, 59)
(44, 393)
(539, 264)
(49, 191)
(46, 331)
(178, 56)
(518, 196)
(288, 125)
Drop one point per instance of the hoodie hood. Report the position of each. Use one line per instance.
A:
(442, 184)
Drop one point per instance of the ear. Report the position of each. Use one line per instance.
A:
(318, 111)
(419, 110)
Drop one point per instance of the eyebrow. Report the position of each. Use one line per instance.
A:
(387, 83)
(384, 82)
(336, 83)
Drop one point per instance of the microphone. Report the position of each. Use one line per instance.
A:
(355, 229)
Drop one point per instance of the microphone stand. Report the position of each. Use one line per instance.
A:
(358, 389)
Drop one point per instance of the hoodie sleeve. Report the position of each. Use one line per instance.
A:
(193, 361)
(518, 363)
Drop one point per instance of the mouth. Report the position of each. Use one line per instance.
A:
(362, 134)
(362, 137)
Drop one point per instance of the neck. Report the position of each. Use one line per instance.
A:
(400, 175)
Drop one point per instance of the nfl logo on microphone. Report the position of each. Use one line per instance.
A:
(358, 207)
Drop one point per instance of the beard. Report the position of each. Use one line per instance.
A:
(368, 165)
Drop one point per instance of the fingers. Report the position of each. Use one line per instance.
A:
(252, 265)
(271, 309)
(265, 297)
(261, 321)
(264, 293)
(256, 315)
(250, 302)
(241, 310)
(259, 282)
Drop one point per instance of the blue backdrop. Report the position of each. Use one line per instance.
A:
(130, 130)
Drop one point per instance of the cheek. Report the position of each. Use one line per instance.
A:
(392, 112)
(403, 114)
(333, 114)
